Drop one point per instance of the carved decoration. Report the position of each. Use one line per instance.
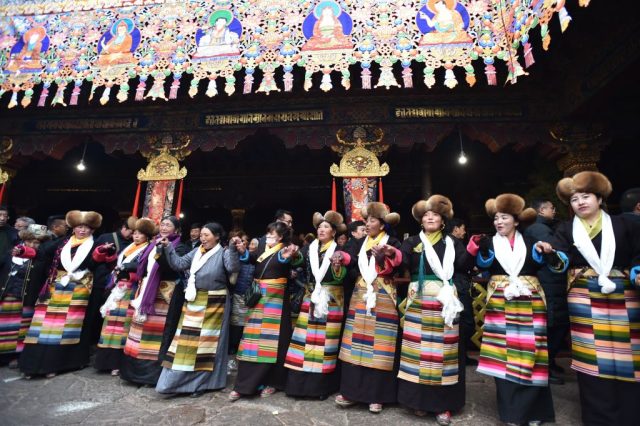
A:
(359, 158)
(164, 158)
(6, 144)
(581, 145)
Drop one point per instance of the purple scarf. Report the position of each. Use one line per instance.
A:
(153, 281)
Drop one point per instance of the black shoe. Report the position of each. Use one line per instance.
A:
(470, 361)
(555, 379)
(197, 394)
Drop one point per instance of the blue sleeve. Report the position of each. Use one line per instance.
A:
(485, 263)
(633, 274)
(282, 259)
(537, 256)
(244, 258)
(562, 265)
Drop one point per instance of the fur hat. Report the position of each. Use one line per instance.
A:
(511, 204)
(436, 203)
(591, 182)
(34, 232)
(146, 226)
(333, 217)
(380, 211)
(131, 222)
(76, 218)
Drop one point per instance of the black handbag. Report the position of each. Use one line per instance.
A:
(253, 293)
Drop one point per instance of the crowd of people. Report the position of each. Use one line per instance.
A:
(329, 315)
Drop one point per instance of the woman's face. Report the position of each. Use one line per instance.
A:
(585, 204)
(342, 239)
(374, 226)
(325, 232)
(505, 224)
(431, 222)
(273, 238)
(82, 231)
(253, 245)
(139, 237)
(208, 238)
(166, 228)
(34, 244)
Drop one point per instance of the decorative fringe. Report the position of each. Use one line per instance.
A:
(288, 81)
(334, 201)
(43, 96)
(450, 79)
(407, 77)
(58, 99)
(136, 202)
(365, 75)
(490, 72)
(26, 100)
(346, 79)
(230, 86)
(387, 79)
(429, 77)
(92, 91)
(528, 55)
(212, 89)
(308, 83)
(193, 88)
(105, 95)
(157, 89)
(173, 91)
(565, 19)
(14, 100)
(248, 83)
(123, 93)
(325, 84)
(75, 93)
(179, 203)
(142, 86)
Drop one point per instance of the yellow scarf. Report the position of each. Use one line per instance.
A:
(594, 229)
(269, 251)
(77, 241)
(432, 238)
(326, 246)
(372, 242)
(134, 247)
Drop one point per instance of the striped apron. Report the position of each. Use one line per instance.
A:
(14, 323)
(145, 338)
(58, 320)
(262, 330)
(514, 342)
(370, 340)
(115, 326)
(605, 328)
(195, 344)
(429, 352)
(315, 342)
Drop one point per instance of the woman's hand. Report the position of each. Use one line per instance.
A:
(164, 242)
(542, 247)
(17, 251)
(233, 242)
(289, 251)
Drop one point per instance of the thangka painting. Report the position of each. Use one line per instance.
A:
(56, 43)
(357, 193)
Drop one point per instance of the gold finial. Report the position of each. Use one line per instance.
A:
(164, 157)
(359, 156)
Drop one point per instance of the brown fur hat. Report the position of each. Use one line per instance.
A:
(380, 211)
(131, 222)
(591, 182)
(332, 217)
(436, 203)
(76, 218)
(146, 226)
(511, 204)
(34, 232)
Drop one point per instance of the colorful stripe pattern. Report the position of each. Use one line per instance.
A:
(429, 353)
(605, 328)
(370, 340)
(261, 332)
(115, 326)
(14, 323)
(315, 342)
(145, 338)
(195, 344)
(58, 320)
(514, 343)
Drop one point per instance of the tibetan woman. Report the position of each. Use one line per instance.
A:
(603, 256)
(145, 345)
(514, 340)
(267, 332)
(432, 376)
(117, 311)
(58, 339)
(369, 342)
(197, 358)
(313, 351)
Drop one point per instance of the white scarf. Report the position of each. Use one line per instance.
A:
(512, 262)
(70, 265)
(320, 296)
(198, 262)
(601, 264)
(18, 261)
(451, 306)
(151, 260)
(368, 272)
(118, 292)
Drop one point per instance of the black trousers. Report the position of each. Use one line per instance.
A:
(556, 338)
(608, 402)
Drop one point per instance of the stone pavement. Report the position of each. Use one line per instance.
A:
(88, 397)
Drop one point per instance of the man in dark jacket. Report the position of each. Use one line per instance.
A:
(554, 286)
(630, 204)
(8, 234)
